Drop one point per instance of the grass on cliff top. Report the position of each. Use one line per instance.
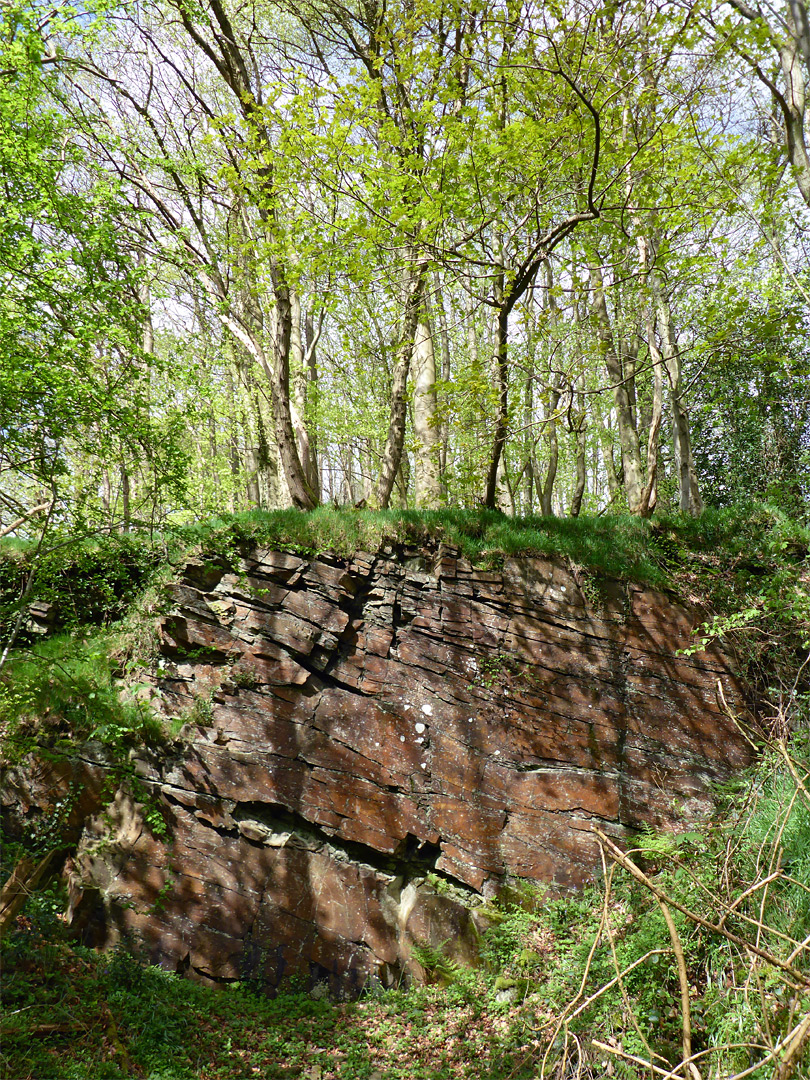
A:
(723, 560)
(650, 552)
(618, 545)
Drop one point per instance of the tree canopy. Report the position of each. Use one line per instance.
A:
(548, 259)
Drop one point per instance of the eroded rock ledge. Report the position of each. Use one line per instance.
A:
(369, 739)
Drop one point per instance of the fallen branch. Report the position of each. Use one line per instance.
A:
(21, 521)
(613, 981)
(725, 707)
(749, 892)
(683, 979)
(792, 1045)
(566, 1014)
(629, 1011)
(672, 1073)
(617, 1050)
(24, 879)
(44, 1029)
(619, 856)
(801, 784)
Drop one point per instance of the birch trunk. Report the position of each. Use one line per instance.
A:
(504, 495)
(444, 338)
(628, 436)
(690, 498)
(233, 445)
(298, 398)
(427, 485)
(311, 337)
(392, 453)
(494, 492)
(791, 40)
(794, 100)
(649, 496)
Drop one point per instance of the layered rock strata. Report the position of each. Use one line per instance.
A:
(370, 742)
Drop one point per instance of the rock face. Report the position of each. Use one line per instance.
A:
(368, 740)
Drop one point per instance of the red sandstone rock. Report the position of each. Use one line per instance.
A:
(370, 725)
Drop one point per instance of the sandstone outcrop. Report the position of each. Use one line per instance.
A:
(371, 742)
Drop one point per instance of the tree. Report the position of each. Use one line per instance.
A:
(238, 252)
(765, 35)
(74, 377)
(753, 414)
(405, 252)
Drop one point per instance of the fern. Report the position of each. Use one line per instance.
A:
(440, 967)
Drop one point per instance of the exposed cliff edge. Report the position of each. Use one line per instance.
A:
(368, 736)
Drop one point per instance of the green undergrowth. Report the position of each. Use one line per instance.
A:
(748, 567)
(544, 1003)
(617, 545)
(89, 581)
(69, 688)
(651, 552)
(106, 1018)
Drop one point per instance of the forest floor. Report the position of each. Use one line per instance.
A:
(76, 1015)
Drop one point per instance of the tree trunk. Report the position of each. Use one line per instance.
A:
(233, 444)
(791, 41)
(250, 335)
(392, 453)
(301, 493)
(348, 489)
(427, 486)
(579, 437)
(106, 494)
(275, 493)
(528, 436)
(794, 99)
(311, 337)
(444, 338)
(125, 500)
(690, 498)
(606, 448)
(234, 61)
(552, 401)
(22, 884)
(649, 495)
(403, 480)
(553, 391)
(628, 436)
(501, 374)
(367, 468)
(504, 495)
(298, 401)
(254, 495)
